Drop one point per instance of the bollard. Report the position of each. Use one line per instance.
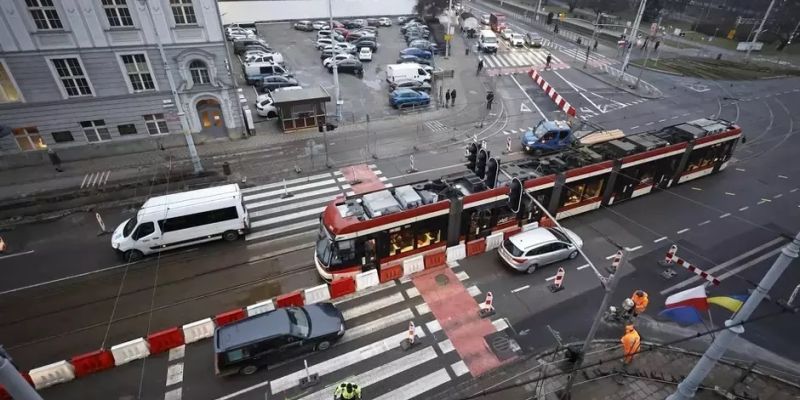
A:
(486, 309)
(411, 339)
(615, 262)
(286, 193)
(558, 282)
(475, 138)
(508, 146)
(102, 224)
(310, 379)
(226, 168)
(411, 168)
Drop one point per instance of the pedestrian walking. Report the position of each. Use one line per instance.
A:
(446, 98)
(630, 344)
(548, 59)
(595, 46)
(489, 100)
(453, 98)
(54, 159)
(466, 50)
(644, 46)
(347, 391)
(655, 46)
(480, 66)
(640, 301)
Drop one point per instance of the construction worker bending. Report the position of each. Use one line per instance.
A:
(640, 301)
(630, 344)
(347, 391)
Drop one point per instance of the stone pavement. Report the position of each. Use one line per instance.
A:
(654, 374)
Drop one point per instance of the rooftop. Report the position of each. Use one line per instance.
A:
(310, 94)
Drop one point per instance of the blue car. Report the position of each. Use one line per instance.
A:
(413, 51)
(407, 97)
(547, 136)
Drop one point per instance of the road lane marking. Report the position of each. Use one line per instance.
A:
(289, 182)
(611, 256)
(634, 127)
(661, 120)
(245, 390)
(423, 308)
(777, 196)
(696, 188)
(726, 215)
(15, 255)
(462, 276)
(741, 169)
(684, 230)
(704, 222)
(176, 353)
(412, 292)
(372, 306)
(783, 177)
(793, 190)
(529, 97)
(445, 346)
(730, 194)
(744, 208)
(433, 326)
(174, 394)
(550, 278)
(459, 368)
(583, 267)
(473, 291)
(749, 264)
(519, 289)
(280, 191)
(377, 324)
(660, 239)
(175, 374)
(766, 200)
(633, 248)
(649, 123)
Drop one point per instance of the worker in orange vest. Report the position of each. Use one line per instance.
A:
(640, 301)
(630, 343)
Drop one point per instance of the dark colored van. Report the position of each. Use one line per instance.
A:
(269, 338)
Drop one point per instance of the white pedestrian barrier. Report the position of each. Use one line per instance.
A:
(197, 330)
(316, 294)
(132, 350)
(532, 225)
(413, 264)
(456, 253)
(494, 241)
(51, 374)
(366, 279)
(260, 307)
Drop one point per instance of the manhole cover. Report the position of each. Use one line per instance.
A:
(502, 346)
(442, 279)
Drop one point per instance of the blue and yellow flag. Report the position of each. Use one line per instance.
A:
(732, 303)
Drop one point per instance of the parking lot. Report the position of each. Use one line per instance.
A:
(362, 96)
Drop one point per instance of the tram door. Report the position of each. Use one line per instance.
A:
(370, 260)
(477, 223)
(625, 184)
(665, 171)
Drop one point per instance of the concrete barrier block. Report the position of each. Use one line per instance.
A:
(475, 247)
(455, 253)
(132, 350)
(52, 374)
(197, 330)
(413, 264)
(367, 279)
(494, 241)
(316, 294)
(260, 307)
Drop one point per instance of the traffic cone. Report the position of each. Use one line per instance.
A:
(615, 263)
(558, 282)
(486, 308)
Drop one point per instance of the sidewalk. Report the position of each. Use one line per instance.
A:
(654, 374)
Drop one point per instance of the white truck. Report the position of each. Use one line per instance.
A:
(487, 41)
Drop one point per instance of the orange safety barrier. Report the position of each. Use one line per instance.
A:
(288, 300)
(165, 340)
(341, 287)
(228, 317)
(434, 260)
(391, 273)
(90, 363)
(510, 233)
(476, 247)
(545, 222)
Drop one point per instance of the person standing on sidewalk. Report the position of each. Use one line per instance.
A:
(548, 59)
(453, 98)
(489, 100)
(446, 98)
(631, 343)
(54, 159)
(480, 66)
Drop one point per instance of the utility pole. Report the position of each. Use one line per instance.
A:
(449, 33)
(758, 31)
(594, 35)
(688, 387)
(198, 167)
(652, 38)
(13, 382)
(634, 32)
(609, 285)
(335, 52)
(538, 7)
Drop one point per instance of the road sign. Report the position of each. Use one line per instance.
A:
(524, 108)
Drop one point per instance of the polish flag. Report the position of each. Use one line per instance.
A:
(694, 297)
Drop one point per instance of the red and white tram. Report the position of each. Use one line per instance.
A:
(381, 228)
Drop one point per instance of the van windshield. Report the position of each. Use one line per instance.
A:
(300, 323)
(128, 229)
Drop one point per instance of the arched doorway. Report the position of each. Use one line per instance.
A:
(211, 120)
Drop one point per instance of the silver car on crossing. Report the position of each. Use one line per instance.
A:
(538, 247)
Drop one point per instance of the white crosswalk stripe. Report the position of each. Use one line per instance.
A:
(436, 126)
(521, 58)
(594, 58)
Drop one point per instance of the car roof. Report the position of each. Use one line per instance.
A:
(533, 237)
(252, 329)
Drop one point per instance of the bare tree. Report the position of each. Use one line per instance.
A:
(430, 8)
(605, 6)
(573, 4)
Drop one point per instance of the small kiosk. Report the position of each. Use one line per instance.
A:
(301, 109)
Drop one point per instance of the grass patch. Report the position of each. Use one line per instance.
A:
(718, 69)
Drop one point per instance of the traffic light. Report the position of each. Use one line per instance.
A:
(492, 170)
(550, 18)
(515, 189)
(472, 155)
(483, 158)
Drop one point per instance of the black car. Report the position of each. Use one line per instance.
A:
(413, 59)
(349, 65)
(351, 24)
(246, 345)
(364, 42)
(270, 83)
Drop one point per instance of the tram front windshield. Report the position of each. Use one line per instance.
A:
(334, 253)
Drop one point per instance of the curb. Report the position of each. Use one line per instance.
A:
(661, 71)
(611, 82)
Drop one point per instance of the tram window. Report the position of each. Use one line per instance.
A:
(428, 237)
(593, 189)
(401, 240)
(502, 214)
(574, 193)
(702, 158)
(646, 176)
(344, 252)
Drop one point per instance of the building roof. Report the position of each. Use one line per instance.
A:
(306, 95)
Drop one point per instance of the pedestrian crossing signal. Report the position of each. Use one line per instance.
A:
(515, 195)
(480, 168)
(472, 156)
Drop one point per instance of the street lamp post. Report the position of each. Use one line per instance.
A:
(758, 31)
(594, 35)
(334, 53)
(634, 32)
(449, 33)
(652, 37)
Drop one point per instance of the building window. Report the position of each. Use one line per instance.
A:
(183, 11)
(8, 88)
(138, 72)
(63, 137)
(127, 129)
(156, 124)
(29, 138)
(117, 13)
(96, 130)
(199, 72)
(44, 14)
(72, 78)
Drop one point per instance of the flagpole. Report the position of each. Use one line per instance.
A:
(711, 321)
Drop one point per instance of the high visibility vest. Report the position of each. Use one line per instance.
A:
(640, 302)
(341, 391)
(631, 342)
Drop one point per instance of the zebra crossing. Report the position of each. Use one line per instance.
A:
(520, 61)
(292, 207)
(436, 126)
(595, 59)
(95, 179)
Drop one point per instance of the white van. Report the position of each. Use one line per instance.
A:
(182, 219)
(407, 71)
(254, 72)
(487, 41)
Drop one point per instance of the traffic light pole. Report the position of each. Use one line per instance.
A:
(335, 65)
(758, 31)
(634, 32)
(688, 387)
(13, 383)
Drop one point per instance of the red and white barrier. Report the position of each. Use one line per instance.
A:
(316, 294)
(413, 264)
(197, 330)
(561, 102)
(367, 279)
(615, 262)
(672, 257)
(260, 307)
(558, 281)
(457, 252)
(131, 350)
(52, 374)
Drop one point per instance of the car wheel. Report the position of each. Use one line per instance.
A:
(324, 345)
(230, 236)
(531, 269)
(248, 370)
(272, 114)
(133, 255)
(573, 254)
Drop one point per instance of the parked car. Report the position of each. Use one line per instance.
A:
(485, 19)
(517, 40)
(240, 45)
(349, 65)
(254, 73)
(412, 59)
(533, 39)
(538, 247)
(361, 21)
(268, 95)
(269, 83)
(240, 35)
(269, 338)
(383, 21)
(373, 22)
(330, 50)
(369, 29)
(303, 26)
(324, 33)
(342, 31)
(322, 42)
(365, 54)
(358, 35)
(317, 25)
(339, 57)
(413, 51)
(351, 24)
(408, 97)
(424, 45)
(410, 84)
(401, 20)
(273, 58)
(373, 45)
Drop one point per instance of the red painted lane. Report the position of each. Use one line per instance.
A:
(457, 313)
(369, 181)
